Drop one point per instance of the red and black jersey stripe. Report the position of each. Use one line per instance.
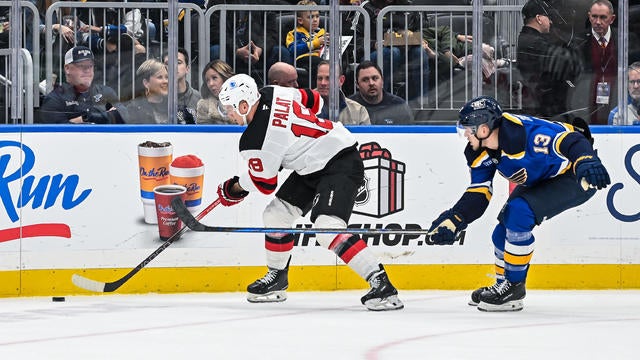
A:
(266, 186)
(311, 99)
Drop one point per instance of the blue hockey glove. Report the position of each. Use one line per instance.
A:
(229, 197)
(444, 229)
(592, 171)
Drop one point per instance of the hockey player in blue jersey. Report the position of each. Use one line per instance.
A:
(555, 168)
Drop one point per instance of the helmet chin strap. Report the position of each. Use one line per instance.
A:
(244, 116)
(475, 134)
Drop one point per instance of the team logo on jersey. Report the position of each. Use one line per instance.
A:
(382, 191)
(518, 177)
(97, 98)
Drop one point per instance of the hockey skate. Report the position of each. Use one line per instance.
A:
(382, 296)
(475, 295)
(271, 287)
(506, 296)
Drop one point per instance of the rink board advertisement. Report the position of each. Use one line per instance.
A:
(75, 202)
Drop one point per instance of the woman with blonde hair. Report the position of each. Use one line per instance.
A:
(209, 110)
(152, 107)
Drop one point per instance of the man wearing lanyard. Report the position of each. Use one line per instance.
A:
(600, 53)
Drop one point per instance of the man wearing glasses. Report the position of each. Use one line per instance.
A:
(633, 105)
(78, 100)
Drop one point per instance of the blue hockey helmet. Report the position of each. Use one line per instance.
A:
(478, 111)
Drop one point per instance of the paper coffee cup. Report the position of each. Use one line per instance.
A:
(154, 161)
(168, 221)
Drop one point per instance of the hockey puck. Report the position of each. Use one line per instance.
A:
(58, 298)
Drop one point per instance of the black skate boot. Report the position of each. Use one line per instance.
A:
(506, 296)
(382, 296)
(475, 295)
(271, 287)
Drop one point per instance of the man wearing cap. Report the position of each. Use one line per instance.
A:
(548, 70)
(78, 100)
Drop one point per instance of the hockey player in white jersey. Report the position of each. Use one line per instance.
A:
(283, 132)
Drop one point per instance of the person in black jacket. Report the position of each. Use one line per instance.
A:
(79, 100)
(548, 70)
(152, 107)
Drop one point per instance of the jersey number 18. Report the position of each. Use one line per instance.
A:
(322, 126)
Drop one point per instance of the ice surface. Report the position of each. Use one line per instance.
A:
(320, 325)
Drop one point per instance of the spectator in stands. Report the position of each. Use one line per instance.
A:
(118, 56)
(454, 50)
(307, 42)
(5, 27)
(209, 109)
(187, 96)
(548, 70)
(78, 100)
(446, 45)
(351, 112)
(152, 108)
(283, 74)
(397, 56)
(65, 37)
(256, 46)
(384, 108)
(600, 51)
(633, 104)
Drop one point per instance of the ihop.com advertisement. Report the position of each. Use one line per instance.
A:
(79, 200)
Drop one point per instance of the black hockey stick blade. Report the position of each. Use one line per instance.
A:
(194, 224)
(99, 286)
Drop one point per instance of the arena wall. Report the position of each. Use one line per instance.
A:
(71, 199)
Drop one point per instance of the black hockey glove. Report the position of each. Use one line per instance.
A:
(444, 229)
(590, 169)
(227, 196)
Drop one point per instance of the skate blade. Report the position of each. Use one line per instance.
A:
(515, 305)
(472, 303)
(274, 296)
(390, 303)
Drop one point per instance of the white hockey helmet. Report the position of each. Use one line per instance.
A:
(238, 88)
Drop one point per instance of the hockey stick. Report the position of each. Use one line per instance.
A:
(99, 286)
(195, 225)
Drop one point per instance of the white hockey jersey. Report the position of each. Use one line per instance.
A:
(286, 133)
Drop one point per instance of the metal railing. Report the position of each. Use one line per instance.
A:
(22, 106)
(279, 13)
(450, 88)
(155, 47)
(29, 36)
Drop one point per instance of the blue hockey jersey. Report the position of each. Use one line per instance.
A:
(530, 150)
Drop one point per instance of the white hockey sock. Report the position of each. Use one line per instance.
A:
(364, 263)
(277, 260)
